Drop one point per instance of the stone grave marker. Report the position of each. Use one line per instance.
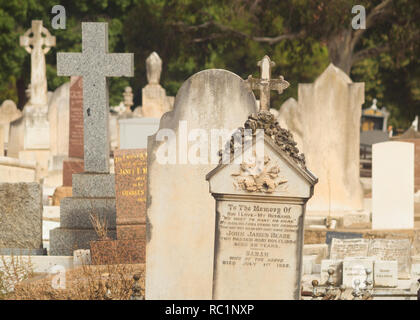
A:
(392, 249)
(321, 251)
(75, 162)
(2, 138)
(130, 194)
(8, 113)
(21, 218)
(93, 192)
(260, 211)
(341, 235)
(342, 248)
(180, 221)
(415, 271)
(37, 130)
(355, 269)
(330, 108)
(154, 100)
(337, 266)
(385, 273)
(393, 185)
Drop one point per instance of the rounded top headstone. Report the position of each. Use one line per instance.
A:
(8, 106)
(153, 68)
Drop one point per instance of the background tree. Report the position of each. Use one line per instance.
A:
(301, 36)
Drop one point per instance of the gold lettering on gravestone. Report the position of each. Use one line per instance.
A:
(130, 182)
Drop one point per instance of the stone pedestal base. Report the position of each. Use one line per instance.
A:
(93, 195)
(118, 251)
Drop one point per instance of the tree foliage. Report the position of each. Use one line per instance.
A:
(301, 36)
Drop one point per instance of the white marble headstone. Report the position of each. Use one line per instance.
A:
(393, 185)
(180, 209)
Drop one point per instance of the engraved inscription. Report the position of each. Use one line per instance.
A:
(130, 185)
(255, 233)
(76, 118)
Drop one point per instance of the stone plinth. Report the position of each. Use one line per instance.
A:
(91, 194)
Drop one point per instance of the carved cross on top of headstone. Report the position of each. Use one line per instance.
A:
(37, 41)
(266, 84)
(37, 45)
(94, 64)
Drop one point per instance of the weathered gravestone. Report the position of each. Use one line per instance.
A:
(385, 273)
(75, 162)
(130, 195)
(58, 118)
(329, 108)
(180, 210)
(260, 211)
(2, 138)
(330, 235)
(393, 185)
(8, 113)
(355, 269)
(393, 249)
(30, 134)
(20, 218)
(341, 249)
(337, 266)
(94, 190)
(154, 99)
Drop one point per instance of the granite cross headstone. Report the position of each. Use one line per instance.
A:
(93, 192)
(95, 64)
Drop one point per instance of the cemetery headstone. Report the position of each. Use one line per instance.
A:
(180, 242)
(154, 100)
(355, 269)
(392, 249)
(30, 135)
(385, 273)
(93, 192)
(320, 250)
(2, 138)
(393, 185)
(21, 218)
(330, 235)
(75, 162)
(330, 108)
(130, 194)
(343, 248)
(259, 219)
(337, 266)
(36, 110)
(134, 132)
(413, 137)
(8, 113)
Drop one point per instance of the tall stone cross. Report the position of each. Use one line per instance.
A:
(95, 64)
(266, 84)
(37, 45)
